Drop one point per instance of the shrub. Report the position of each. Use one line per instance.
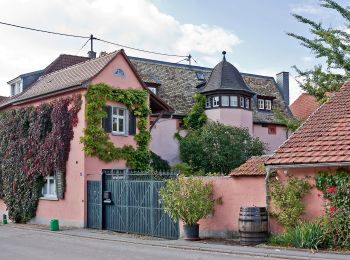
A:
(218, 148)
(287, 204)
(197, 117)
(158, 164)
(189, 199)
(305, 235)
(337, 229)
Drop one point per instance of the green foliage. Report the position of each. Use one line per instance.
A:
(197, 117)
(325, 180)
(158, 164)
(337, 231)
(331, 44)
(218, 148)
(186, 170)
(309, 235)
(290, 122)
(189, 199)
(96, 140)
(34, 143)
(287, 200)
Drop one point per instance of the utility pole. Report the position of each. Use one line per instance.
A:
(91, 53)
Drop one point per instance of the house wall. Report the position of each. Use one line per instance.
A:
(273, 141)
(231, 116)
(236, 192)
(163, 142)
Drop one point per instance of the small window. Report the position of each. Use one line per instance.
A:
(49, 188)
(268, 104)
(247, 103)
(216, 101)
(153, 89)
(233, 101)
(271, 130)
(208, 102)
(200, 75)
(261, 104)
(119, 73)
(241, 101)
(225, 101)
(119, 118)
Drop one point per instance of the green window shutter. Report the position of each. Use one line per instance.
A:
(107, 122)
(132, 123)
(60, 184)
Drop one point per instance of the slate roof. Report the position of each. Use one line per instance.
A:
(323, 138)
(179, 83)
(304, 106)
(255, 166)
(226, 77)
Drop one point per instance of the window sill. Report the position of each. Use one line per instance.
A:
(49, 198)
(118, 134)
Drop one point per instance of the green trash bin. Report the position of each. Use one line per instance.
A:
(54, 225)
(4, 219)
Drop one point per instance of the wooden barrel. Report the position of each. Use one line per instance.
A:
(253, 226)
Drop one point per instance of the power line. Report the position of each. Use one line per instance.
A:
(82, 47)
(44, 31)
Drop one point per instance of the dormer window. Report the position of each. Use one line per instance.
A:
(200, 75)
(268, 104)
(261, 104)
(265, 103)
(16, 87)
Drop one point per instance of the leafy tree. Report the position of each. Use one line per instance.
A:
(332, 44)
(197, 117)
(290, 122)
(219, 148)
(158, 164)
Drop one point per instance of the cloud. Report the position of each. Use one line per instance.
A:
(137, 23)
(306, 9)
(307, 59)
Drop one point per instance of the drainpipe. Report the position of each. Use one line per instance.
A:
(268, 172)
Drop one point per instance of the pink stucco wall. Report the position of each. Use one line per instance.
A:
(235, 192)
(273, 141)
(163, 142)
(234, 117)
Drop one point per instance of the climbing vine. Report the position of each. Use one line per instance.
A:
(96, 141)
(34, 143)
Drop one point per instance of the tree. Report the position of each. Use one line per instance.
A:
(217, 148)
(196, 118)
(332, 44)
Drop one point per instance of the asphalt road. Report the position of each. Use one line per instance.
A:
(18, 244)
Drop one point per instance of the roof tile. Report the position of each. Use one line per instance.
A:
(253, 167)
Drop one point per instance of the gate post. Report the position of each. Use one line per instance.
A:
(103, 177)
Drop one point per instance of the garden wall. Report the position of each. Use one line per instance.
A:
(235, 192)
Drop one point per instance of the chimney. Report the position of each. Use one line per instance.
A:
(103, 53)
(282, 80)
(92, 54)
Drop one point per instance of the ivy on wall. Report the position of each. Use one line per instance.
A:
(96, 141)
(34, 143)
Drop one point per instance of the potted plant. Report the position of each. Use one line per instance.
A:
(189, 199)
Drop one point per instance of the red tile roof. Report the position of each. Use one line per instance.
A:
(304, 106)
(64, 61)
(253, 167)
(323, 138)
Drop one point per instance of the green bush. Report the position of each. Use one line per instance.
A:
(189, 199)
(218, 148)
(158, 164)
(196, 118)
(337, 229)
(305, 235)
(287, 200)
(186, 170)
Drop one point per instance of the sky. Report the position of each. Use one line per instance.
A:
(253, 32)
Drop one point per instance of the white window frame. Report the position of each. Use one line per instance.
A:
(233, 101)
(241, 102)
(117, 117)
(216, 101)
(208, 102)
(247, 103)
(268, 104)
(261, 103)
(227, 104)
(16, 87)
(48, 195)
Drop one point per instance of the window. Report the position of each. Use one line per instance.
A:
(200, 75)
(261, 104)
(208, 102)
(119, 73)
(216, 101)
(119, 118)
(153, 89)
(271, 130)
(247, 103)
(49, 188)
(233, 101)
(268, 104)
(16, 88)
(241, 101)
(225, 101)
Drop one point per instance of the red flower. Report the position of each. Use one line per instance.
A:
(331, 189)
(332, 209)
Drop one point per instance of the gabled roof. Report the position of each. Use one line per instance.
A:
(225, 77)
(304, 106)
(255, 166)
(64, 61)
(323, 138)
(178, 83)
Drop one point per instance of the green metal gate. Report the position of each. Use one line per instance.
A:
(132, 205)
(94, 204)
